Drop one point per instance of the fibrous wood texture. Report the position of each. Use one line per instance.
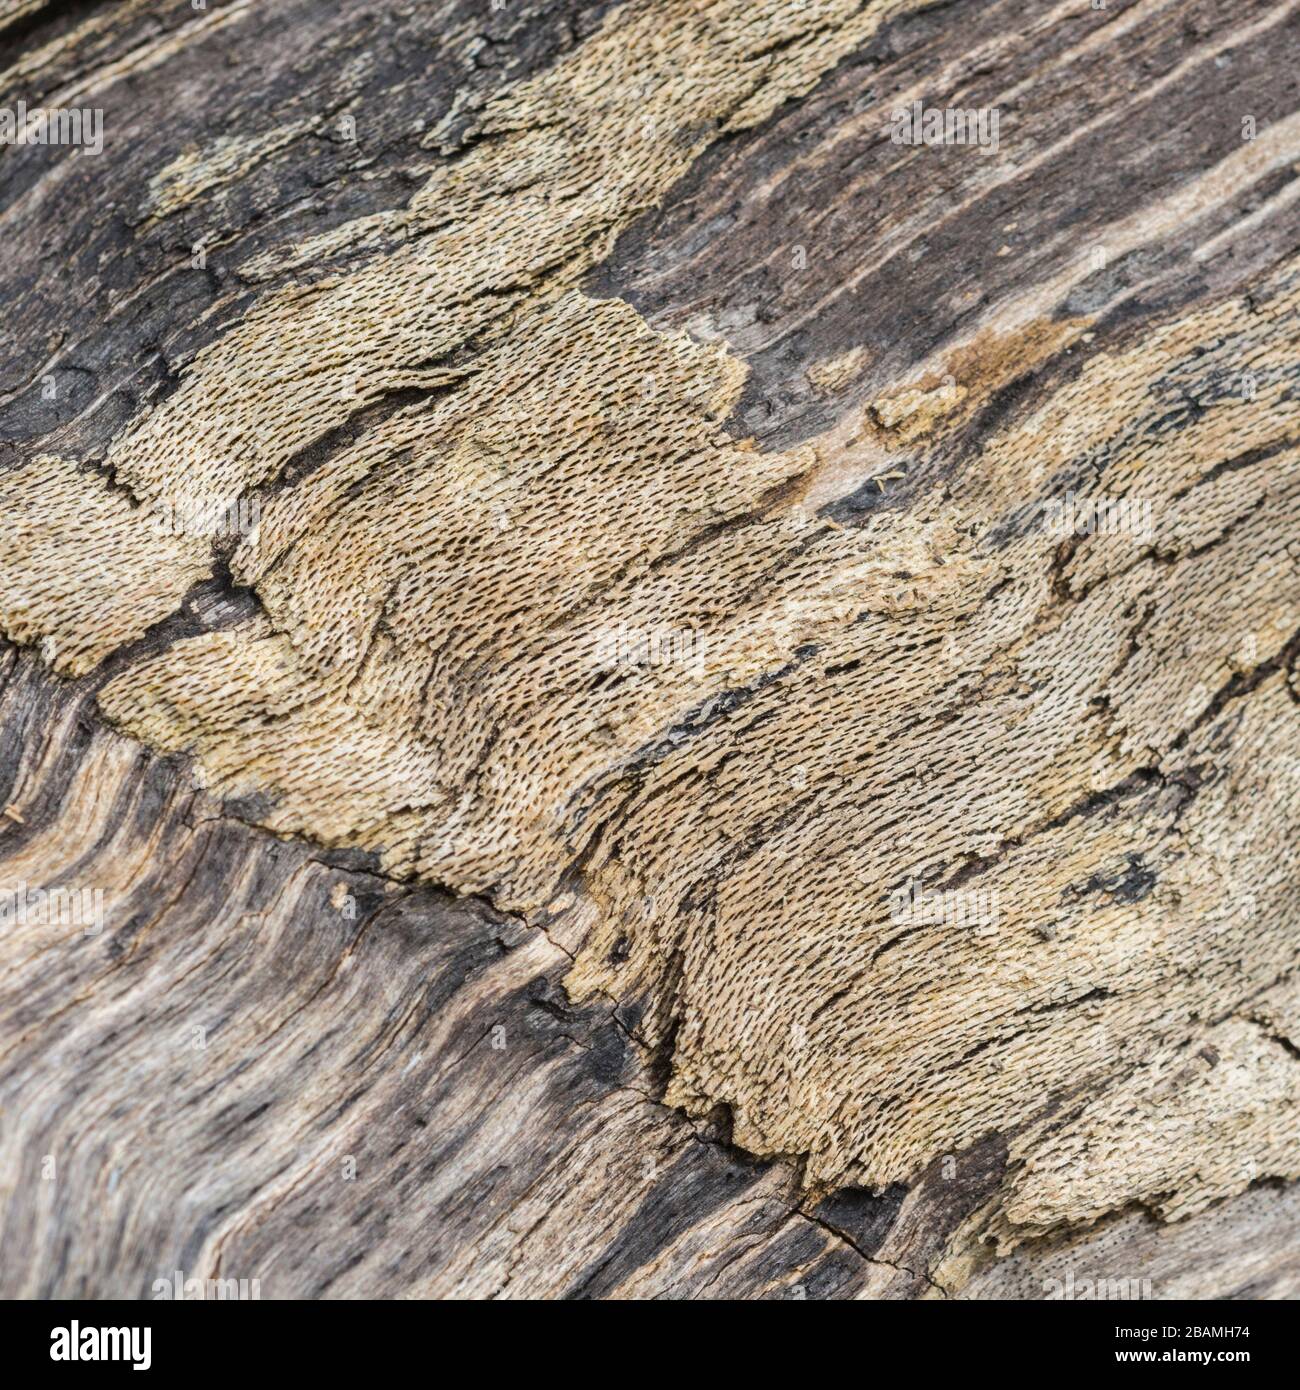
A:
(749, 742)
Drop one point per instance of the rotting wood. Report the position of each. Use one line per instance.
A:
(941, 845)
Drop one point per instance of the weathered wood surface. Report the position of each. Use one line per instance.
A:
(436, 961)
(277, 1067)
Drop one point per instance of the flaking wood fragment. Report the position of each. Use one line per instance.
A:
(949, 824)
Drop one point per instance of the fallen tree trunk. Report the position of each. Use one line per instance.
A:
(665, 649)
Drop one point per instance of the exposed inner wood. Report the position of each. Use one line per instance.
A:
(660, 339)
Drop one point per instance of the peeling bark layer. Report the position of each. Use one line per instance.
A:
(669, 546)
